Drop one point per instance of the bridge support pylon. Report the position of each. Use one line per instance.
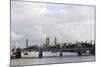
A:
(79, 53)
(61, 53)
(18, 53)
(92, 51)
(40, 53)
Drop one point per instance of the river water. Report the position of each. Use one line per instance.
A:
(50, 58)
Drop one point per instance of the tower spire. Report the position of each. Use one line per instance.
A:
(55, 41)
(26, 43)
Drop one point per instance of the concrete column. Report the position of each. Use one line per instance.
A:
(18, 53)
(40, 53)
(92, 51)
(61, 53)
(61, 50)
(79, 53)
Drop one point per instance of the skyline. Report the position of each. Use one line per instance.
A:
(46, 42)
(35, 21)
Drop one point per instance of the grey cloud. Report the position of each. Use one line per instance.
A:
(35, 21)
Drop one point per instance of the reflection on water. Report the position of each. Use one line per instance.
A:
(49, 57)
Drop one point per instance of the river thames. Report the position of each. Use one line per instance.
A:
(51, 58)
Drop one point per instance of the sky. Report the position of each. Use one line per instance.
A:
(36, 21)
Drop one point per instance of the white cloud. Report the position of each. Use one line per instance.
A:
(15, 36)
(38, 20)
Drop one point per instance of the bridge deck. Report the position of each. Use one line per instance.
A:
(63, 49)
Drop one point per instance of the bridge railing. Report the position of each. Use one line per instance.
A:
(56, 49)
(79, 51)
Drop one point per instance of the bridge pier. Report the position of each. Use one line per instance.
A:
(92, 51)
(61, 53)
(79, 53)
(40, 53)
(18, 53)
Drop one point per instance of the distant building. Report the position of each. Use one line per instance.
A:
(26, 43)
(47, 41)
(55, 41)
